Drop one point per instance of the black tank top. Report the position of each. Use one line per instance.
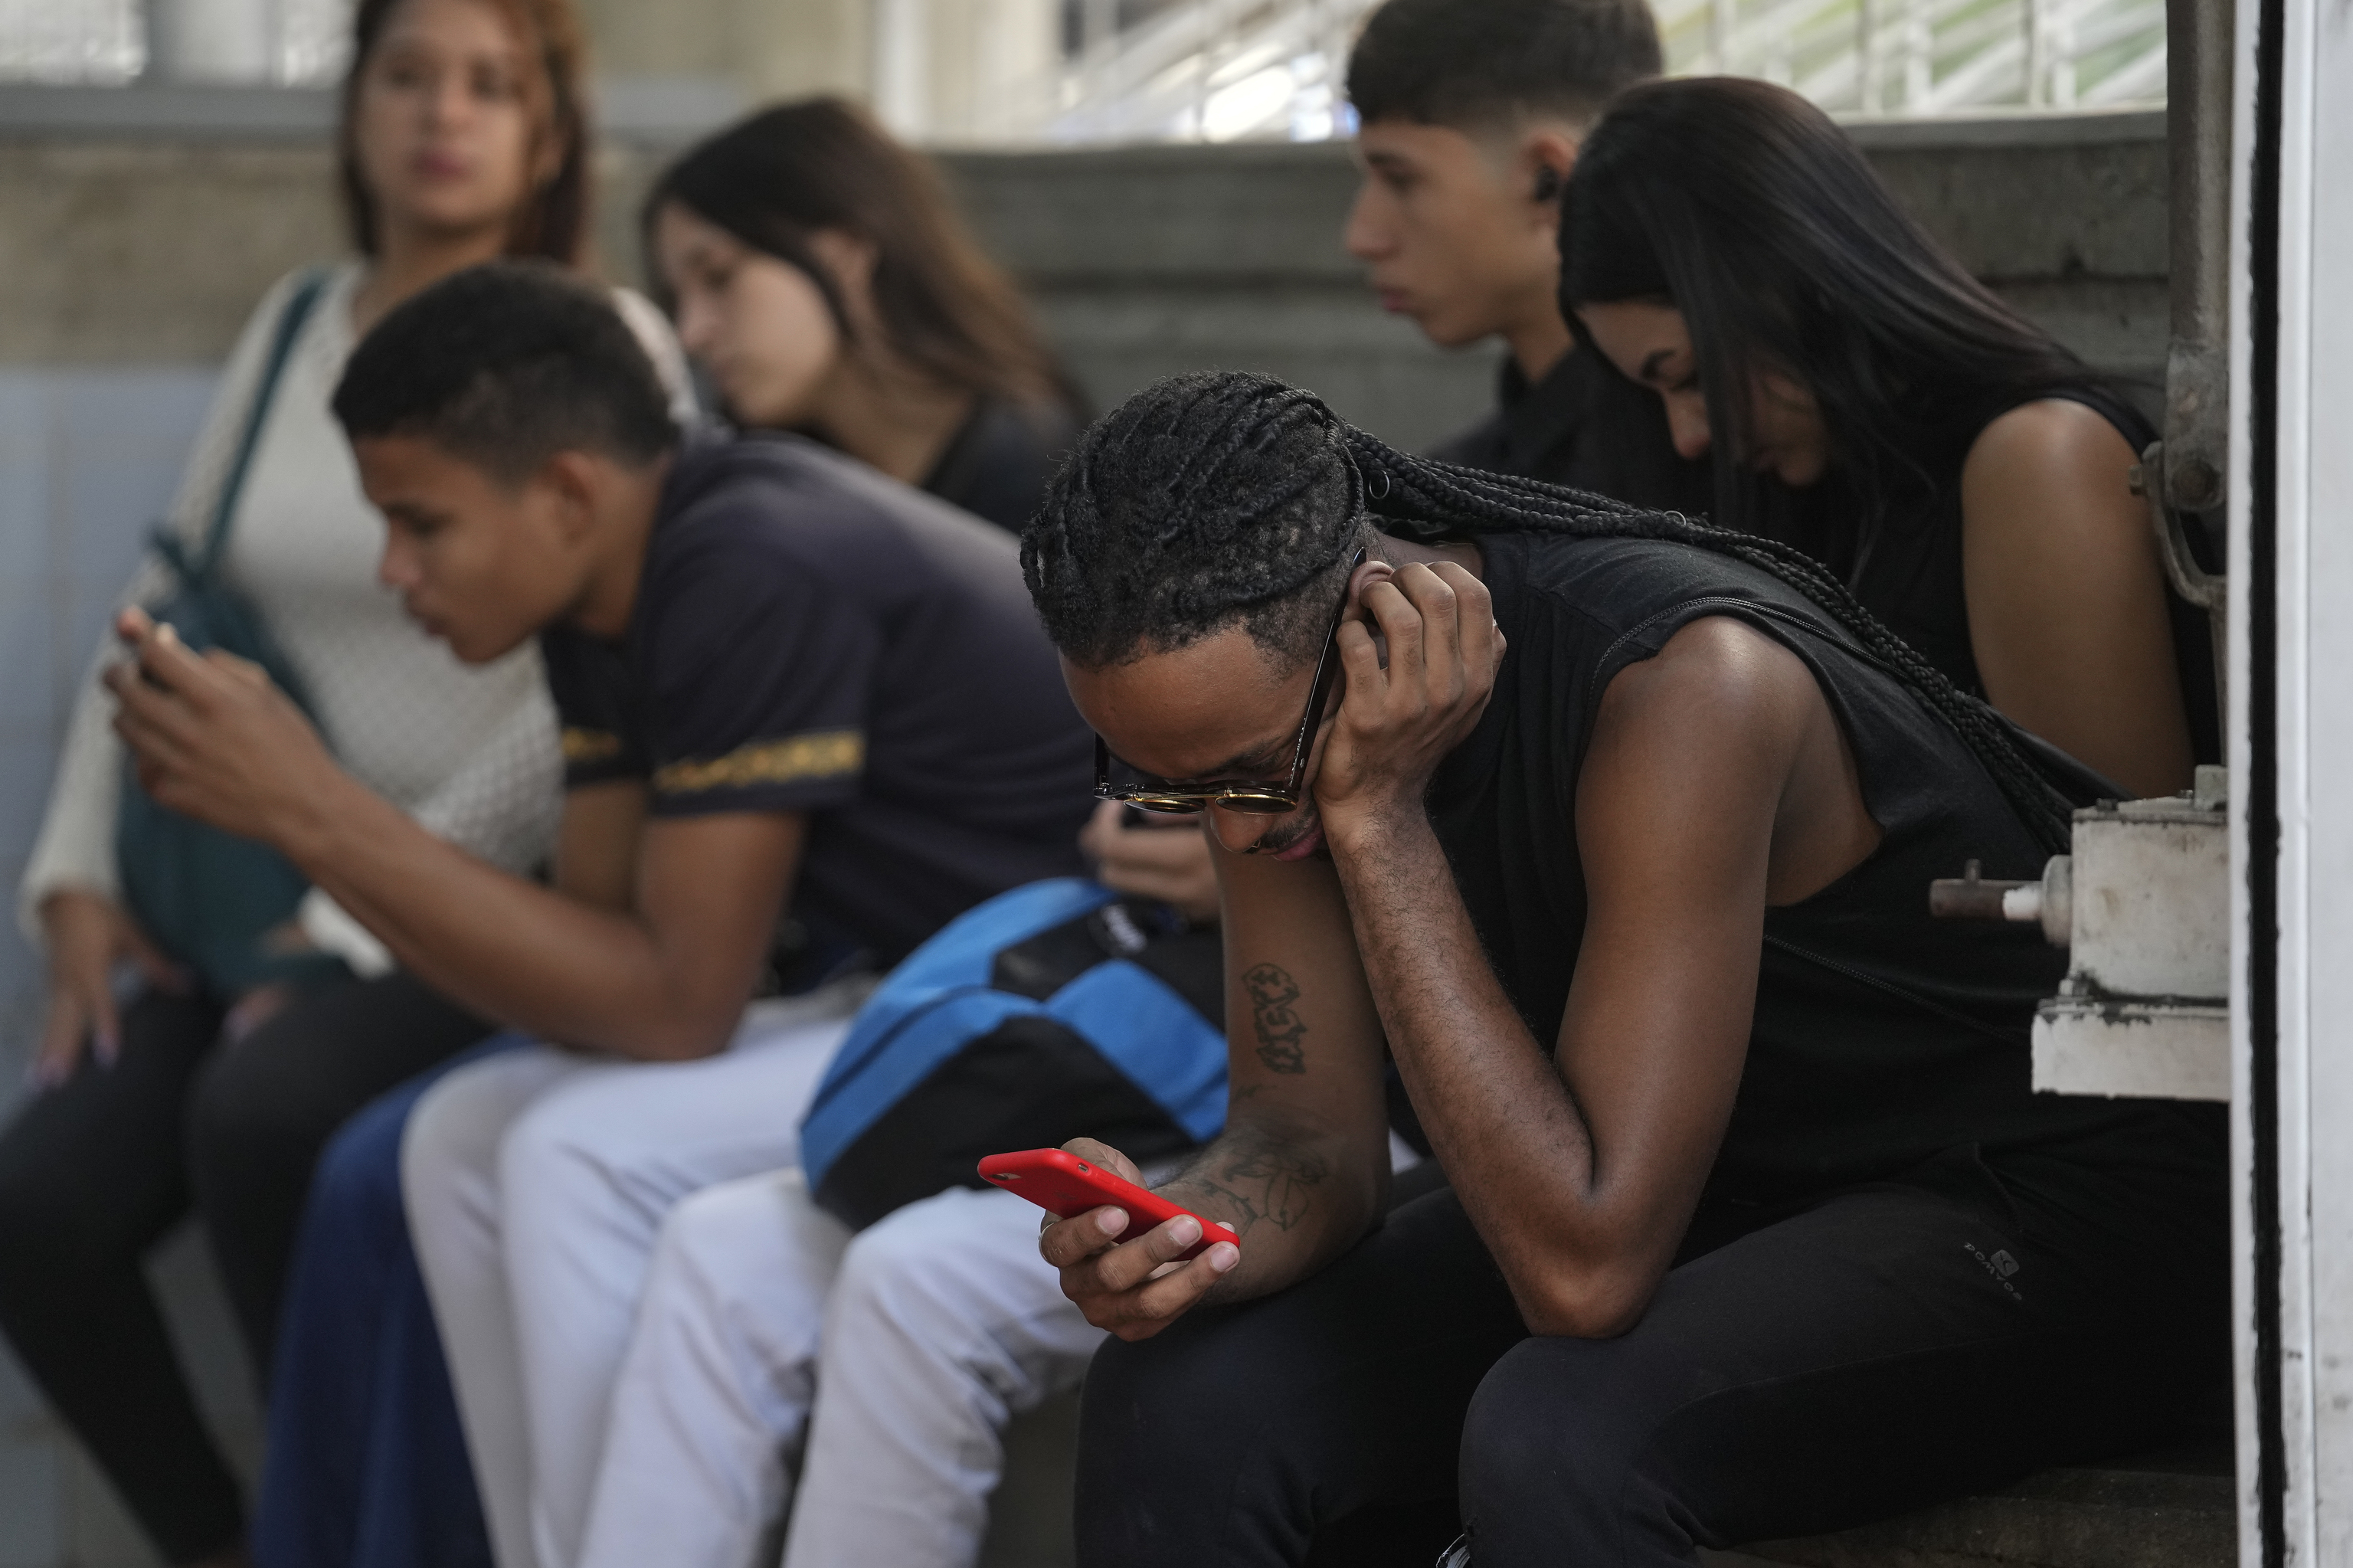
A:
(1907, 571)
(1881, 1039)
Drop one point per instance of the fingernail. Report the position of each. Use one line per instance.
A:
(1185, 1230)
(1112, 1220)
(1223, 1256)
(108, 1048)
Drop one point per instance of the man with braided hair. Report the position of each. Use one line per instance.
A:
(1615, 831)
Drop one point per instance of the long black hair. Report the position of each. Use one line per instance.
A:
(1219, 499)
(776, 179)
(1744, 207)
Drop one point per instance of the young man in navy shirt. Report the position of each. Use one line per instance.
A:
(792, 692)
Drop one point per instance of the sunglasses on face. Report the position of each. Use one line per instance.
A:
(1256, 797)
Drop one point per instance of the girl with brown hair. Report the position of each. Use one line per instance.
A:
(464, 138)
(819, 271)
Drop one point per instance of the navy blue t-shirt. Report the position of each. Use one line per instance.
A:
(810, 636)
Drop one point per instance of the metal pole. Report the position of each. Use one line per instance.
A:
(211, 40)
(1098, 25)
(1918, 57)
(902, 67)
(2199, 44)
(1868, 96)
(2060, 33)
(155, 62)
(2035, 96)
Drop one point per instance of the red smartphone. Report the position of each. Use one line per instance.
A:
(1061, 1183)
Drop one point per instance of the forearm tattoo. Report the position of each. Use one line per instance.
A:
(1280, 1033)
(1260, 1177)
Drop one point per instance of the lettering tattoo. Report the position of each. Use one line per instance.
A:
(1273, 990)
(1259, 1178)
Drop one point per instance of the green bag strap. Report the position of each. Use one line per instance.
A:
(307, 290)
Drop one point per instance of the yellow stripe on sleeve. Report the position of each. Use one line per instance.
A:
(822, 754)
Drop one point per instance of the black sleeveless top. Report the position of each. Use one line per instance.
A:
(1908, 572)
(1883, 1039)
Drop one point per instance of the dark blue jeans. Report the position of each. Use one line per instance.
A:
(367, 1465)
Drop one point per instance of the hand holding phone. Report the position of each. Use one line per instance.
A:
(1132, 1278)
(1061, 1183)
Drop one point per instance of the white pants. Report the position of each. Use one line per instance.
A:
(916, 1342)
(536, 1182)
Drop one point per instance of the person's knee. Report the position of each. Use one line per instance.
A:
(901, 1303)
(1186, 1379)
(891, 1274)
(238, 1116)
(452, 1138)
(1533, 1426)
(358, 1178)
(1558, 1444)
(716, 1251)
(578, 1143)
(953, 1284)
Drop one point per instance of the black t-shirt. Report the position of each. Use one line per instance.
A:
(1883, 1038)
(1908, 571)
(997, 464)
(809, 636)
(1586, 426)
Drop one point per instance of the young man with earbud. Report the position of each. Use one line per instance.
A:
(1471, 113)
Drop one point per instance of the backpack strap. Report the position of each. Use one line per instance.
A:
(298, 304)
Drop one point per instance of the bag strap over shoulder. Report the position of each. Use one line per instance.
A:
(298, 305)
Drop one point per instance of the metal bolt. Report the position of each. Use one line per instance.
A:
(2193, 484)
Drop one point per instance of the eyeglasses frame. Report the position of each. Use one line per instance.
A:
(1268, 800)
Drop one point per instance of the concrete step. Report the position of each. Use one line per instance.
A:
(2170, 1510)
(1029, 1515)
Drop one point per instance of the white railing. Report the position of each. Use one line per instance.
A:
(1211, 70)
(88, 41)
(1929, 57)
(286, 43)
(1223, 71)
(1233, 69)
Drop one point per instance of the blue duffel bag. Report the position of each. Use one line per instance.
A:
(1057, 1011)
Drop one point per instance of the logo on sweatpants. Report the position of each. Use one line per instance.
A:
(2001, 1265)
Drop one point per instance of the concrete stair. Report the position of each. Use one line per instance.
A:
(2170, 1510)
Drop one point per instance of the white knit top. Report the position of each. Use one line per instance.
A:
(469, 753)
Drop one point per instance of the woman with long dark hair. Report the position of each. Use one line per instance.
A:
(1725, 244)
(820, 273)
(215, 1085)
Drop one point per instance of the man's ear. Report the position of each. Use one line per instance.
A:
(575, 483)
(1546, 155)
(1376, 568)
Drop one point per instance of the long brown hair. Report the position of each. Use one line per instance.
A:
(788, 173)
(552, 221)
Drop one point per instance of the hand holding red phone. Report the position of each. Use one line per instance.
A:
(1137, 1286)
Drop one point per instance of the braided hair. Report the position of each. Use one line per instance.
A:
(1218, 499)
